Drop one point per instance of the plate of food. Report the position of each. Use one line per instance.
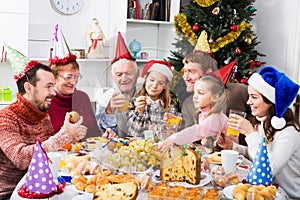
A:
(205, 179)
(267, 192)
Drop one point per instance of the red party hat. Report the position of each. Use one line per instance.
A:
(121, 50)
(225, 72)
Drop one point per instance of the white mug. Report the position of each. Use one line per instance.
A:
(54, 166)
(229, 160)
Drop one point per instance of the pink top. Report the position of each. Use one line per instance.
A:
(212, 125)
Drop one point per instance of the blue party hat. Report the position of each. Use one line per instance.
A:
(260, 171)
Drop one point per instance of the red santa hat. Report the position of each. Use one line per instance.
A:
(160, 66)
(61, 54)
(121, 50)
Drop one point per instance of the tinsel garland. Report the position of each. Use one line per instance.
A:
(205, 3)
(230, 37)
(180, 21)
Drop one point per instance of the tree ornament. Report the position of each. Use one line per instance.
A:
(216, 10)
(252, 8)
(238, 51)
(244, 80)
(258, 63)
(210, 40)
(233, 28)
(196, 28)
(248, 40)
(252, 64)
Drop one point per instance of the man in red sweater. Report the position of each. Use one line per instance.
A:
(26, 119)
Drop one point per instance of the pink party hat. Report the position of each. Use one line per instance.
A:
(260, 171)
(39, 181)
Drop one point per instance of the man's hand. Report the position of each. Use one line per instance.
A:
(116, 101)
(109, 134)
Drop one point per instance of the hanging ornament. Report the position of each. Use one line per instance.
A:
(249, 73)
(258, 63)
(216, 10)
(196, 28)
(233, 28)
(238, 51)
(244, 80)
(248, 40)
(252, 64)
(252, 8)
(210, 40)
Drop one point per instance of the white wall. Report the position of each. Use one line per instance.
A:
(277, 25)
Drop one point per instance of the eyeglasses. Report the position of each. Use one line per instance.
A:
(152, 81)
(70, 77)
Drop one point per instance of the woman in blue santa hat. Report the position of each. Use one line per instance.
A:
(270, 95)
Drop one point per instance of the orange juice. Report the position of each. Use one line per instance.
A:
(125, 107)
(232, 132)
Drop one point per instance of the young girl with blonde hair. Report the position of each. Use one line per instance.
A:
(210, 97)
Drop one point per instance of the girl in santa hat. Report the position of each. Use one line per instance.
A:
(153, 99)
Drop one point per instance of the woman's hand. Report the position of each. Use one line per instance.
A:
(141, 103)
(76, 130)
(224, 141)
(109, 134)
(240, 124)
(163, 145)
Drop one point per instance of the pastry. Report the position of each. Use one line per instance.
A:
(80, 157)
(216, 157)
(124, 191)
(181, 165)
(219, 180)
(217, 169)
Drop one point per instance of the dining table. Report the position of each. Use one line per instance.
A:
(206, 183)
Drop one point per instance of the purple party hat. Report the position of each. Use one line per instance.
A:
(39, 181)
(260, 171)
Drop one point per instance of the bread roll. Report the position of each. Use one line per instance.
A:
(74, 117)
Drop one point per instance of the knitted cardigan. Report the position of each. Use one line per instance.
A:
(79, 102)
(20, 125)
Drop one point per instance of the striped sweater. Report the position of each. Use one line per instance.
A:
(20, 124)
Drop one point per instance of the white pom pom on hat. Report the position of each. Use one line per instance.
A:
(276, 87)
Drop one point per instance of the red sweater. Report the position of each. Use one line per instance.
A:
(20, 125)
(79, 102)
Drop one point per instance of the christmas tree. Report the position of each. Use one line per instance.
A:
(229, 34)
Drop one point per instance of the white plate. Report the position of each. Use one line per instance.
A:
(204, 181)
(228, 193)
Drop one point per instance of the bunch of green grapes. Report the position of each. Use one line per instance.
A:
(140, 154)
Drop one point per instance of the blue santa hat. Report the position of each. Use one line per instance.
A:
(260, 171)
(276, 87)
